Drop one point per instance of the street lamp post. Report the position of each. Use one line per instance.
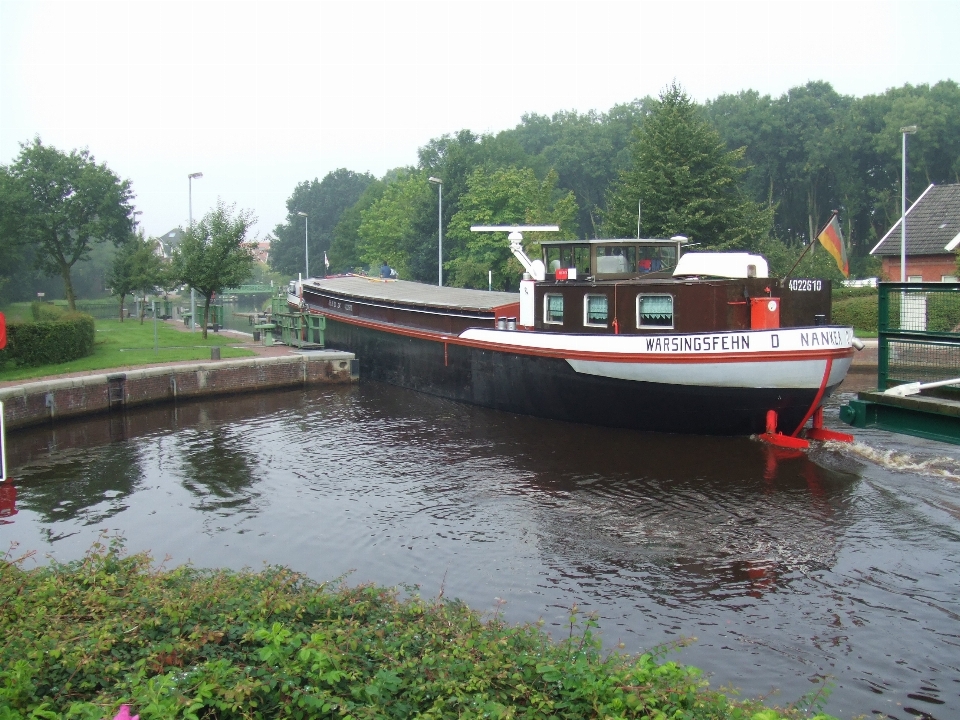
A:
(306, 240)
(439, 184)
(193, 293)
(908, 130)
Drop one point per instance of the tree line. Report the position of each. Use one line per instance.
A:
(58, 208)
(745, 171)
(742, 171)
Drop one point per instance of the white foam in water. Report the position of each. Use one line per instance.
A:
(938, 466)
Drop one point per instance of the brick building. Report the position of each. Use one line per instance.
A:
(933, 238)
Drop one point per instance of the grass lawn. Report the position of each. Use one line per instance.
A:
(130, 343)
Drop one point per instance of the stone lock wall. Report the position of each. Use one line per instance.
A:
(38, 402)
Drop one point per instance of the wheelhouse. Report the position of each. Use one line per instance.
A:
(621, 259)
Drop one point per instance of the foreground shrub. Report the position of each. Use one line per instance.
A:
(80, 639)
(48, 342)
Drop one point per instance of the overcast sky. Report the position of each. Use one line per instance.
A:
(264, 94)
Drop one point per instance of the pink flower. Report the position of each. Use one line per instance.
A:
(124, 714)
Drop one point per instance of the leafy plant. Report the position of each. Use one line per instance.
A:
(82, 638)
(214, 254)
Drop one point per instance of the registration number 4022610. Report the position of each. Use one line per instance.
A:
(805, 285)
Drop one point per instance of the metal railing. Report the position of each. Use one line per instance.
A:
(102, 311)
(250, 290)
(918, 326)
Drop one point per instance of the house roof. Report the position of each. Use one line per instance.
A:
(169, 240)
(933, 224)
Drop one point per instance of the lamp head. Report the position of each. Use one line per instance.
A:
(194, 176)
(909, 129)
(302, 214)
(438, 181)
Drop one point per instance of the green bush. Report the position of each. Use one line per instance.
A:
(79, 639)
(860, 312)
(943, 312)
(50, 342)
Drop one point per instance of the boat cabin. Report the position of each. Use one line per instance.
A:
(646, 286)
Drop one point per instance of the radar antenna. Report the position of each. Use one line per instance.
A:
(536, 268)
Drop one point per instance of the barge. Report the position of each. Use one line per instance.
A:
(629, 333)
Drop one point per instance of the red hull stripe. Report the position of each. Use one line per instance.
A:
(633, 358)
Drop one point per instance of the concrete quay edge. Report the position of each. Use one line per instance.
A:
(50, 399)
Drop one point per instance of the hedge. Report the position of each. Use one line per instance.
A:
(63, 337)
(943, 312)
(860, 312)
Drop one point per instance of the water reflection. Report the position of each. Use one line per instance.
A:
(85, 484)
(218, 470)
(8, 502)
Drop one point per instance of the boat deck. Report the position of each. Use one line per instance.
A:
(404, 292)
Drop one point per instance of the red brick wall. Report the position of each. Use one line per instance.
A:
(931, 267)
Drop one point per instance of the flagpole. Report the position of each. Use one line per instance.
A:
(812, 240)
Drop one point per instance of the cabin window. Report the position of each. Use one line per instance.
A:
(553, 309)
(616, 260)
(595, 310)
(567, 256)
(656, 259)
(654, 311)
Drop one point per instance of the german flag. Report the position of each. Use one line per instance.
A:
(832, 240)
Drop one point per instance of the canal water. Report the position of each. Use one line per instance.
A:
(780, 570)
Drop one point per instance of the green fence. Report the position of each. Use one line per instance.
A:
(300, 329)
(919, 333)
(250, 290)
(215, 318)
(101, 311)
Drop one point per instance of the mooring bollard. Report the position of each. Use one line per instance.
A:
(215, 353)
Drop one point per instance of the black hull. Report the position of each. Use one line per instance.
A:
(550, 388)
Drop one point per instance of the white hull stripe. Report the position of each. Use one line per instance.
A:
(795, 374)
(782, 340)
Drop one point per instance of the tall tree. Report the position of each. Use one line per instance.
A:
(395, 228)
(344, 250)
(811, 153)
(64, 204)
(587, 150)
(509, 196)
(686, 180)
(324, 202)
(11, 252)
(214, 254)
(136, 268)
(748, 120)
(453, 159)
